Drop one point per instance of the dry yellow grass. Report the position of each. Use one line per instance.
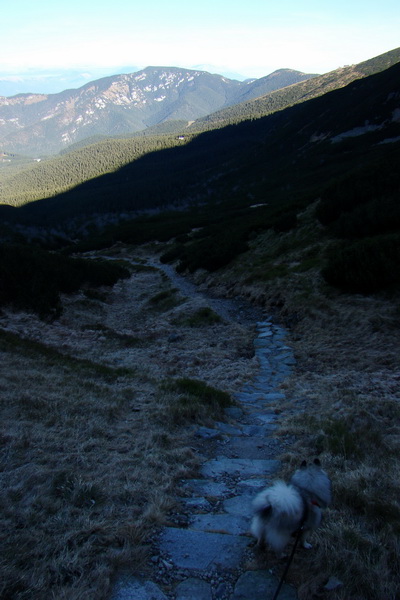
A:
(348, 377)
(92, 442)
(343, 404)
(91, 450)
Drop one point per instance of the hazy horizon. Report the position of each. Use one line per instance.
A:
(50, 47)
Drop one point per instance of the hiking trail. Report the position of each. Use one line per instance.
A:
(205, 552)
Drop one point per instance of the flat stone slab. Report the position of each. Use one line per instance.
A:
(253, 486)
(261, 585)
(245, 467)
(252, 398)
(260, 430)
(248, 447)
(232, 524)
(207, 433)
(240, 506)
(265, 334)
(205, 487)
(264, 418)
(134, 589)
(200, 550)
(262, 381)
(228, 429)
(199, 504)
(193, 589)
(234, 412)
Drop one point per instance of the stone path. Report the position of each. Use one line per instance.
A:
(204, 554)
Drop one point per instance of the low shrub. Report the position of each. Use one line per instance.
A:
(380, 216)
(165, 300)
(202, 317)
(212, 253)
(33, 279)
(364, 266)
(194, 400)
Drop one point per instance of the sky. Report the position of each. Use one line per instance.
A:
(49, 46)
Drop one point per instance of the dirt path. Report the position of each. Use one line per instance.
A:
(235, 311)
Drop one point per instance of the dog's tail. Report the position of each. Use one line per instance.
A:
(278, 512)
(279, 499)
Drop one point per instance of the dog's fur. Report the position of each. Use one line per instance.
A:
(282, 509)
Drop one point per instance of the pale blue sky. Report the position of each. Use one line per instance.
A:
(248, 37)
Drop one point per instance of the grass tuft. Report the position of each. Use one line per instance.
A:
(193, 400)
(165, 300)
(202, 318)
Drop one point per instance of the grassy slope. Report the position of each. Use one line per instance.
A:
(79, 426)
(342, 406)
(94, 429)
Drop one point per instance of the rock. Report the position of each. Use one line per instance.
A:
(221, 590)
(193, 589)
(247, 447)
(242, 466)
(252, 486)
(333, 584)
(201, 550)
(196, 504)
(208, 433)
(206, 487)
(234, 412)
(221, 523)
(227, 429)
(255, 397)
(240, 506)
(135, 589)
(261, 585)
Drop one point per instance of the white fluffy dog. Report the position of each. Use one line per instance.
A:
(283, 509)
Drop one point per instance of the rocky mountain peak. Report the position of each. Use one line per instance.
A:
(43, 124)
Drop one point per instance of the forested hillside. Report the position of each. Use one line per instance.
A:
(50, 177)
(218, 190)
(274, 159)
(85, 161)
(298, 92)
(40, 124)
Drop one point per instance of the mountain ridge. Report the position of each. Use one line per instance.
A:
(47, 123)
(247, 162)
(99, 155)
(298, 92)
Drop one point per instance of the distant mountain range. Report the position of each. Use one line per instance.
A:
(25, 179)
(279, 161)
(43, 124)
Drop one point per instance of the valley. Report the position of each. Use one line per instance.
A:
(41, 124)
(130, 292)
